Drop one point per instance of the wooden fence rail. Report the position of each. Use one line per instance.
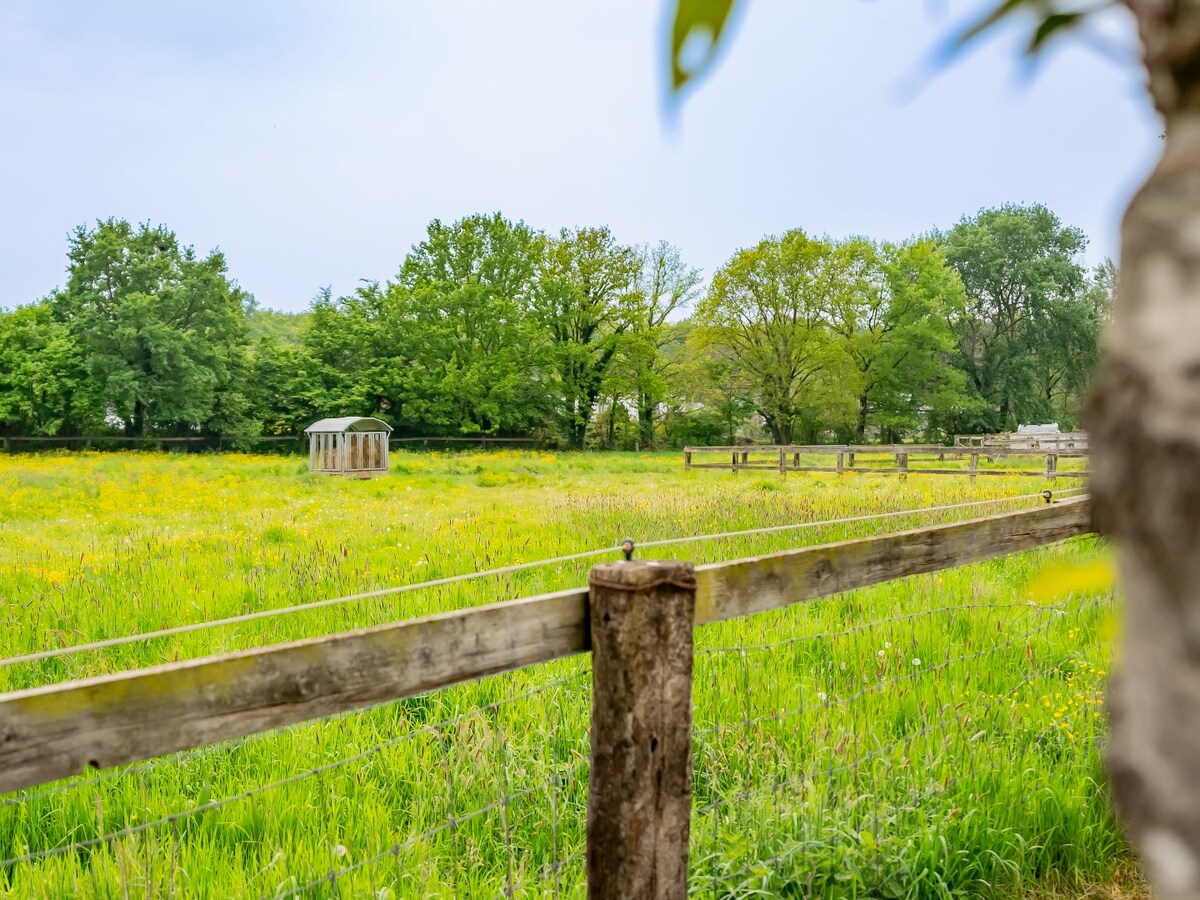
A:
(1061, 441)
(900, 458)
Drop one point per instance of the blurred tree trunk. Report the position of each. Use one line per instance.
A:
(1144, 416)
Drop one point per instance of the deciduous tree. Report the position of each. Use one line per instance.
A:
(585, 284)
(162, 330)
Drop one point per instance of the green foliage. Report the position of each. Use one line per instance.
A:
(648, 358)
(699, 26)
(586, 284)
(1050, 20)
(42, 377)
(465, 295)
(766, 312)
(162, 331)
(894, 326)
(1028, 339)
(491, 327)
(285, 328)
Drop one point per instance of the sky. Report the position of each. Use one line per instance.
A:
(312, 142)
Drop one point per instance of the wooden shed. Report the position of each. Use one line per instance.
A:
(349, 445)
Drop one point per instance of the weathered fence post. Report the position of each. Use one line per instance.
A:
(974, 465)
(687, 459)
(1052, 466)
(850, 460)
(640, 787)
(840, 462)
(782, 461)
(735, 457)
(745, 457)
(902, 464)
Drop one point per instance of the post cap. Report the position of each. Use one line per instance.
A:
(643, 574)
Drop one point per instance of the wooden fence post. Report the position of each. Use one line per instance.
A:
(782, 461)
(640, 788)
(840, 462)
(687, 459)
(735, 466)
(745, 457)
(974, 465)
(1052, 466)
(850, 460)
(902, 463)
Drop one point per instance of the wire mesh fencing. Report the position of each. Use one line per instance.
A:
(949, 748)
(478, 790)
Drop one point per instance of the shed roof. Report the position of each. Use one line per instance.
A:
(347, 423)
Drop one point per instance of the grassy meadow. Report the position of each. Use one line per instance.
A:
(931, 737)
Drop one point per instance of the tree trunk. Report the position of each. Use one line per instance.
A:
(577, 433)
(1144, 419)
(860, 425)
(646, 420)
(136, 427)
(775, 424)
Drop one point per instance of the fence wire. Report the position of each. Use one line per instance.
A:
(428, 584)
(933, 752)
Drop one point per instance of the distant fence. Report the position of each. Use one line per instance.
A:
(898, 459)
(287, 442)
(481, 440)
(102, 441)
(1061, 441)
(636, 619)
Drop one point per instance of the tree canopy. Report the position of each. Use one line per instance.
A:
(491, 327)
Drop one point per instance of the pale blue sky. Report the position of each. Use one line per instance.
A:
(312, 141)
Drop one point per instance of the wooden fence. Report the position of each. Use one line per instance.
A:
(1061, 441)
(896, 459)
(636, 618)
(197, 442)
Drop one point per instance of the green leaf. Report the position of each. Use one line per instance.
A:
(695, 35)
(1001, 12)
(1049, 26)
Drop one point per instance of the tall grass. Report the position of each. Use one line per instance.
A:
(950, 750)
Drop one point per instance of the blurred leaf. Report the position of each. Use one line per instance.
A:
(1049, 26)
(1061, 579)
(1001, 12)
(695, 34)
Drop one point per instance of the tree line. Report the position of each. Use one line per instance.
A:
(491, 327)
